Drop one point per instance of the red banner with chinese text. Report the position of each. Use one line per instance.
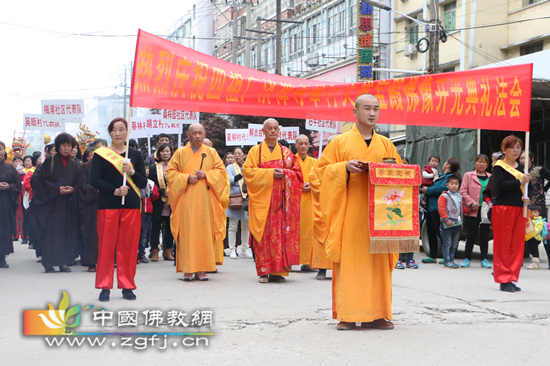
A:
(170, 76)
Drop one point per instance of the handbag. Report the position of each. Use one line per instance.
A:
(236, 201)
(485, 213)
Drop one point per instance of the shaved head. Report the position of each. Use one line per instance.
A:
(196, 135)
(302, 145)
(195, 126)
(302, 136)
(270, 120)
(363, 98)
(207, 142)
(271, 131)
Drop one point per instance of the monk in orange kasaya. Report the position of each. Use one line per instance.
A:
(274, 180)
(196, 183)
(306, 204)
(361, 281)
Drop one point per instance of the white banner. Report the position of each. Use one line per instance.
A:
(238, 137)
(153, 125)
(66, 119)
(68, 108)
(256, 134)
(139, 127)
(322, 125)
(182, 117)
(38, 122)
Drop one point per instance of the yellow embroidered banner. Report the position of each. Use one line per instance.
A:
(393, 208)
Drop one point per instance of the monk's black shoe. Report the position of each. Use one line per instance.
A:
(508, 287)
(4, 265)
(64, 269)
(104, 295)
(515, 287)
(49, 269)
(128, 294)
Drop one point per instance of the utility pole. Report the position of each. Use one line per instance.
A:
(247, 41)
(259, 45)
(279, 46)
(234, 47)
(434, 37)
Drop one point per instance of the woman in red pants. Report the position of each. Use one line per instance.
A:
(118, 225)
(507, 218)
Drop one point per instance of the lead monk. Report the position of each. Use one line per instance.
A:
(274, 180)
(196, 182)
(361, 281)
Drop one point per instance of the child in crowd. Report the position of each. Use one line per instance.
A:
(430, 172)
(449, 206)
(147, 210)
(533, 243)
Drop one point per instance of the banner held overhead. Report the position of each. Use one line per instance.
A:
(167, 75)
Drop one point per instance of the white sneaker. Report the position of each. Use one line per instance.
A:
(233, 254)
(246, 253)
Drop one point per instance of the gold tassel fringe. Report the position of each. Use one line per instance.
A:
(394, 245)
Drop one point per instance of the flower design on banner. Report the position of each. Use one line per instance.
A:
(394, 214)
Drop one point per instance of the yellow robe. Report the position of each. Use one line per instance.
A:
(361, 282)
(319, 257)
(197, 219)
(306, 214)
(219, 243)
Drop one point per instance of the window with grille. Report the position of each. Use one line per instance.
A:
(532, 48)
(413, 32)
(450, 16)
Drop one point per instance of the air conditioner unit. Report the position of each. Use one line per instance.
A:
(410, 50)
(313, 58)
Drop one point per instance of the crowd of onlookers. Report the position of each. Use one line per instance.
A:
(481, 202)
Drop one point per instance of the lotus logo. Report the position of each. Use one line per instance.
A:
(57, 319)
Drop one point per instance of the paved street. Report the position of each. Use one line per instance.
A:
(440, 316)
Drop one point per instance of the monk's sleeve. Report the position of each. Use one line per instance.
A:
(319, 231)
(332, 200)
(43, 189)
(177, 181)
(217, 177)
(218, 182)
(259, 182)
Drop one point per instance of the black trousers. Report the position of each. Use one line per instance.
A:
(167, 238)
(433, 220)
(473, 227)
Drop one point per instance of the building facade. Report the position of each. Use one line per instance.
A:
(478, 32)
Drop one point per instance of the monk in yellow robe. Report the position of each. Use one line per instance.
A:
(274, 180)
(196, 182)
(319, 257)
(306, 205)
(361, 281)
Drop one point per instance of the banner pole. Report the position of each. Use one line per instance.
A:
(148, 144)
(320, 143)
(127, 146)
(179, 139)
(478, 141)
(526, 188)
